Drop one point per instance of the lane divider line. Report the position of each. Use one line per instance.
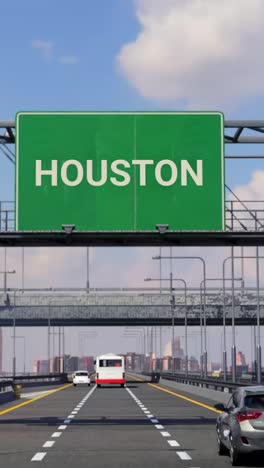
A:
(39, 456)
(190, 400)
(184, 455)
(34, 399)
(173, 443)
(48, 444)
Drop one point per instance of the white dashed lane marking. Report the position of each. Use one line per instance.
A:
(38, 456)
(173, 443)
(49, 443)
(184, 456)
(56, 434)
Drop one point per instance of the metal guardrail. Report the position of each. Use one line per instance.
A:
(34, 379)
(214, 383)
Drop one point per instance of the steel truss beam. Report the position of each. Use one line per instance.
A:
(132, 239)
(234, 131)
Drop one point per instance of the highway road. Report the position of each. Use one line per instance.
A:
(142, 424)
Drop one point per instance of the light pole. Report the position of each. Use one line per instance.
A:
(5, 273)
(87, 269)
(134, 334)
(171, 279)
(14, 334)
(203, 355)
(217, 279)
(24, 350)
(139, 330)
(232, 257)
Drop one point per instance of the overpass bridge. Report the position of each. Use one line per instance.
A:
(118, 308)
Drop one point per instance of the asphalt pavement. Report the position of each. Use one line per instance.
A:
(111, 427)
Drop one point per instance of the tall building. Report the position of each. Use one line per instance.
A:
(240, 359)
(1, 350)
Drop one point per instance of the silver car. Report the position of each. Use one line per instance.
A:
(240, 426)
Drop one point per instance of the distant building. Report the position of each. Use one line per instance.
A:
(194, 364)
(87, 363)
(43, 367)
(178, 351)
(72, 364)
(240, 359)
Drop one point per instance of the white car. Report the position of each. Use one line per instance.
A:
(81, 377)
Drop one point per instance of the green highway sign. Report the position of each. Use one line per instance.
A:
(112, 171)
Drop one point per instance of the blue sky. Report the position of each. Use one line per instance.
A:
(39, 36)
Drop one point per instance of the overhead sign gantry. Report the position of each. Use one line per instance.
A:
(177, 231)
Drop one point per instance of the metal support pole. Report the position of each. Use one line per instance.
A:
(255, 350)
(5, 272)
(233, 352)
(49, 338)
(24, 355)
(242, 271)
(224, 328)
(185, 330)
(172, 322)
(160, 346)
(258, 320)
(87, 269)
(14, 336)
(204, 314)
(23, 268)
(63, 349)
(59, 349)
(201, 338)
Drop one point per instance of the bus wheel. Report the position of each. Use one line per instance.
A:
(98, 385)
(122, 385)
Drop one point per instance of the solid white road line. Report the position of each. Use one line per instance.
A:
(38, 456)
(184, 456)
(49, 443)
(173, 443)
(56, 434)
(165, 434)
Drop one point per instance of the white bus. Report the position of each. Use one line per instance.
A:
(110, 369)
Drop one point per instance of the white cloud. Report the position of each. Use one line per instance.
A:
(254, 189)
(68, 60)
(203, 53)
(45, 47)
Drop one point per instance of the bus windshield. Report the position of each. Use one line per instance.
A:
(110, 363)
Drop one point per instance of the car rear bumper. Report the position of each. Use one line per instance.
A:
(255, 442)
(87, 382)
(110, 381)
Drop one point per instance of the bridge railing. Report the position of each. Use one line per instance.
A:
(214, 383)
